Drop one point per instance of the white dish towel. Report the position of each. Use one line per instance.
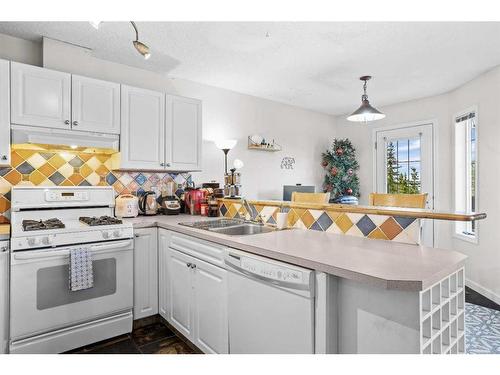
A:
(81, 273)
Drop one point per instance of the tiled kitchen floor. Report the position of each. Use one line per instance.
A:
(154, 338)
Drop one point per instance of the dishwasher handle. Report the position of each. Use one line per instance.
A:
(284, 284)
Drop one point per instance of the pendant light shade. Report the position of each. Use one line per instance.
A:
(365, 113)
(142, 48)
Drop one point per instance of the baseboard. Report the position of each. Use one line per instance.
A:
(481, 290)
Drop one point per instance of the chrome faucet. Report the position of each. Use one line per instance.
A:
(258, 218)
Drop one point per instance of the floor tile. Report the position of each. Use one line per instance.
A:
(150, 333)
(122, 344)
(171, 345)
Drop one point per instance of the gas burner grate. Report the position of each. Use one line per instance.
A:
(29, 225)
(102, 220)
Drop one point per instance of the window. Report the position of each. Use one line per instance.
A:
(403, 166)
(466, 171)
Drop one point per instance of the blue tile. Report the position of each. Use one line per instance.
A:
(84, 183)
(223, 209)
(111, 178)
(4, 171)
(316, 226)
(365, 225)
(57, 178)
(324, 221)
(25, 168)
(76, 162)
(141, 179)
(140, 191)
(285, 210)
(404, 221)
(271, 220)
(46, 155)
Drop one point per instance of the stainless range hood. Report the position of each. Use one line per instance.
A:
(73, 138)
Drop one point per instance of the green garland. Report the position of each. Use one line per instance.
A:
(341, 166)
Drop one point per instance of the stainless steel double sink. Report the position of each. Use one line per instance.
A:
(231, 227)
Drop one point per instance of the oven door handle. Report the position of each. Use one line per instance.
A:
(27, 255)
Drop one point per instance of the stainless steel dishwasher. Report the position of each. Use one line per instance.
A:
(270, 305)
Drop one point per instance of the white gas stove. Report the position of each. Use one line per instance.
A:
(48, 224)
(57, 216)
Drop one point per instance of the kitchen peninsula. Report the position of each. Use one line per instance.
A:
(370, 297)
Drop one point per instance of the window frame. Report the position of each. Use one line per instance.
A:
(461, 226)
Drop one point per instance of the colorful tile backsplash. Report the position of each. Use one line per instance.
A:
(74, 168)
(381, 227)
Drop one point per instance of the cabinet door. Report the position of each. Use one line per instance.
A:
(4, 113)
(181, 292)
(95, 105)
(183, 133)
(40, 97)
(142, 128)
(145, 273)
(210, 308)
(163, 273)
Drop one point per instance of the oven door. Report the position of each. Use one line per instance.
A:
(41, 300)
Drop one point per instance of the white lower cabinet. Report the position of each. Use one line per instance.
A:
(4, 296)
(145, 272)
(193, 294)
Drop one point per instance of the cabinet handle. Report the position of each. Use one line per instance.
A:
(162, 164)
(75, 123)
(136, 235)
(189, 265)
(168, 164)
(4, 157)
(193, 266)
(66, 122)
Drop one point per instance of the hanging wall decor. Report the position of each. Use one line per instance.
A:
(287, 162)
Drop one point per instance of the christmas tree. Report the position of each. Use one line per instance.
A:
(341, 165)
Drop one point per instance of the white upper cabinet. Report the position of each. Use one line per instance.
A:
(95, 105)
(183, 133)
(142, 128)
(4, 113)
(40, 97)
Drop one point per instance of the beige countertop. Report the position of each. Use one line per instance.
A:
(386, 264)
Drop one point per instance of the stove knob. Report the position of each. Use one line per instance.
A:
(46, 240)
(33, 241)
(117, 233)
(105, 234)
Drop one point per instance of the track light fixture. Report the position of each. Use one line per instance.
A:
(139, 46)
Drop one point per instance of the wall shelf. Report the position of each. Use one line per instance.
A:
(255, 146)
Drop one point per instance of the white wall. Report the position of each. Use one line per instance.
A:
(483, 265)
(303, 134)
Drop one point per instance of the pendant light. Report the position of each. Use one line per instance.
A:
(365, 112)
(139, 46)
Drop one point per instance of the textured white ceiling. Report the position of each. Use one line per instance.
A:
(308, 64)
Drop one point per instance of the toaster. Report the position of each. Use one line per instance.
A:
(126, 205)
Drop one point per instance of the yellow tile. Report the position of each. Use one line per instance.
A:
(15, 159)
(85, 157)
(102, 170)
(292, 217)
(36, 177)
(66, 183)
(67, 156)
(307, 219)
(300, 211)
(85, 170)
(13, 177)
(102, 158)
(4, 204)
(232, 211)
(57, 161)
(75, 178)
(333, 215)
(344, 223)
(377, 234)
(25, 154)
(47, 169)
(93, 178)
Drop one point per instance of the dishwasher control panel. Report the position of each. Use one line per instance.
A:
(272, 271)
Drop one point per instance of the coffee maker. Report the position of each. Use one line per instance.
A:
(169, 202)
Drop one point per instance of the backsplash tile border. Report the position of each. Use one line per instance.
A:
(378, 227)
(76, 168)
